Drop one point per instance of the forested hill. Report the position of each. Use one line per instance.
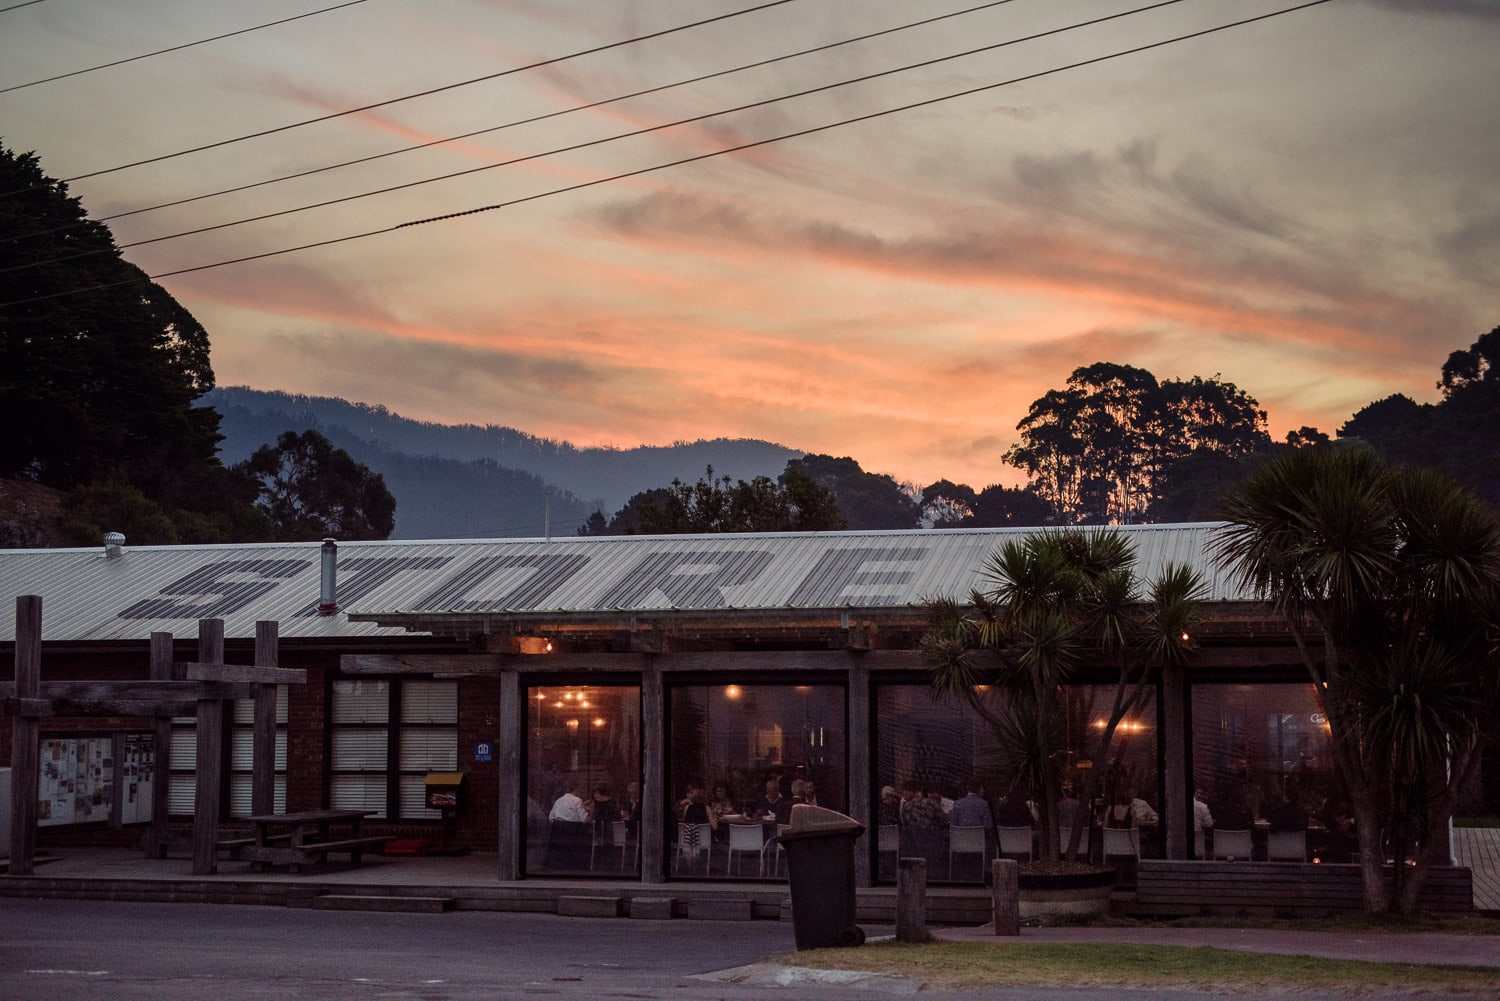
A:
(468, 481)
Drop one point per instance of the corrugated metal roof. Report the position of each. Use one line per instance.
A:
(88, 597)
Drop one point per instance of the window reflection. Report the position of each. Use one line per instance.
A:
(583, 779)
(931, 751)
(740, 756)
(1262, 763)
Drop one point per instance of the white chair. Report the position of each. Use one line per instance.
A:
(778, 853)
(694, 841)
(746, 839)
(1014, 841)
(1231, 845)
(1122, 841)
(968, 841)
(1064, 833)
(1286, 846)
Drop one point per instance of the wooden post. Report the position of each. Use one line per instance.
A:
(161, 754)
(25, 754)
(860, 779)
(653, 830)
(511, 794)
(1007, 895)
(208, 794)
(911, 900)
(263, 754)
(1177, 808)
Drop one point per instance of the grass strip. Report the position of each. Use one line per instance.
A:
(972, 964)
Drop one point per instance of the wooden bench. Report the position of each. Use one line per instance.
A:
(1270, 889)
(309, 852)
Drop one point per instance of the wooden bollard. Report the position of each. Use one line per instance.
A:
(911, 900)
(1006, 874)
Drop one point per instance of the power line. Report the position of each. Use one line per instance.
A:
(18, 6)
(427, 93)
(535, 118)
(690, 159)
(174, 48)
(601, 141)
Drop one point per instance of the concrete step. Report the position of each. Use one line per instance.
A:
(370, 902)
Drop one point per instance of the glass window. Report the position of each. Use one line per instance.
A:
(387, 735)
(1262, 762)
(744, 754)
(933, 749)
(583, 767)
(183, 787)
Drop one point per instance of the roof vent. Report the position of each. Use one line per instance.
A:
(328, 594)
(114, 545)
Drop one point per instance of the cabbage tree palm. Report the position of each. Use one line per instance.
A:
(1388, 580)
(1057, 600)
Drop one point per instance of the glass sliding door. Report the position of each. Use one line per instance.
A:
(583, 774)
(740, 755)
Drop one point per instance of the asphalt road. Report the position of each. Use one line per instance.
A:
(60, 950)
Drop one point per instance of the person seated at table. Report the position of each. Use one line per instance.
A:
(722, 805)
(922, 811)
(696, 810)
(604, 810)
(973, 810)
(890, 806)
(1233, 814)
(1286, 816)
(809, 794)
(569, 806)
(1203, 817)
(1013, 811)
(1341, 840)
(1120, 814)
(773, 805)
(568, 843)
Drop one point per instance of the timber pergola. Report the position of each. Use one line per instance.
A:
(176, 688)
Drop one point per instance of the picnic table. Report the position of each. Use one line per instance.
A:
(296, 839)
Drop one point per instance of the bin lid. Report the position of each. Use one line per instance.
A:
(820, 820)
(445, 778)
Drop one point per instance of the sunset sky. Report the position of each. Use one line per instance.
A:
(1306, 206)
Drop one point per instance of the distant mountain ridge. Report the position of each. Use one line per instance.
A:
(468, 481)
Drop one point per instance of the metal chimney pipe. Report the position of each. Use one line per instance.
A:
(328, 594)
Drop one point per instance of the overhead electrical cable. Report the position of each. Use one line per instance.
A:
(175, 48)
(18, 6)
(607, 139)
(813, 130)
(535, 118)
(426, 93)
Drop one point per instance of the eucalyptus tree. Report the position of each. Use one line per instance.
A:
(1388, 580)
(1098, 450)
(1056, 601)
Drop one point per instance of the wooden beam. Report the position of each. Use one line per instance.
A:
(860, 779)
(511, 797)
(148, 708)
(456, 665)
(653, 819)
(25, 753)
(209, 777)
(253, 674)
(138, 690)
(161, 752)
(263, 740)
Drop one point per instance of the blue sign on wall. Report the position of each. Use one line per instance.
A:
(484, 751)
